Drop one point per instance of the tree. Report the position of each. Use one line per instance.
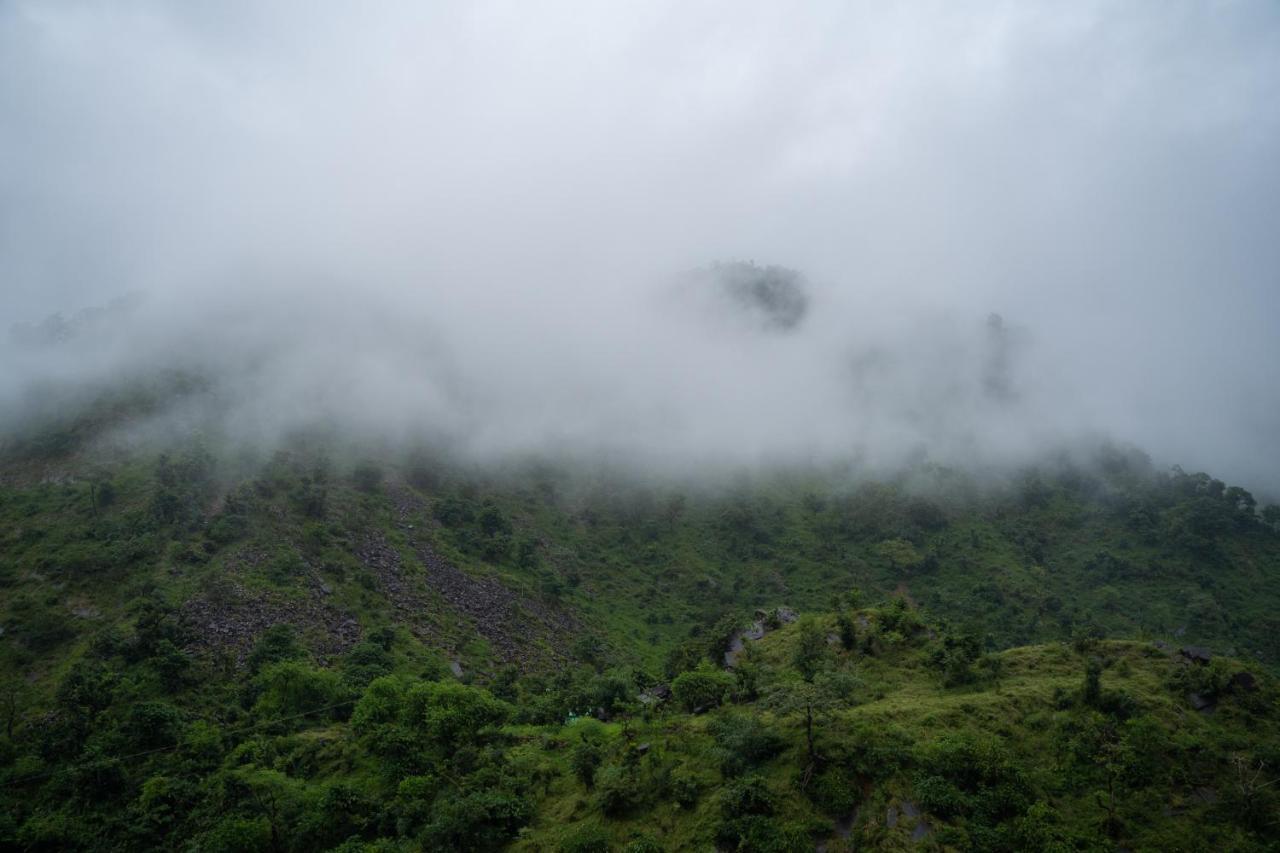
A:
(900, 553)
(448, 713)
(1092, 690)
(811, 648)
(288, 688)
(815, 700)
(585, 759)
(701, 688)
(848, 631)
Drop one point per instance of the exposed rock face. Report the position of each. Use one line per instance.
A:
(233, 618)
(406, 593)
(513, 624)
(756, 630)
(519, 629)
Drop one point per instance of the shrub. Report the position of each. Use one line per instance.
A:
(832, 792)
(277, 643)
(591, 838)
(643, 844)
(701, 688)
(584, 760)
(289, 687)
(743, 741)
(481, 820)
(448, 714)
(685, 788)
(749, 795)
(618, 790)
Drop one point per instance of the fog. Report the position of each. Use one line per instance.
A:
(496, 223)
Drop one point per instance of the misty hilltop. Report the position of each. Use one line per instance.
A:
(639, 427)
(468, 218)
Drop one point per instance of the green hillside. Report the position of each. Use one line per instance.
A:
(213, 648)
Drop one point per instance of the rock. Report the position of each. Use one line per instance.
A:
(455, 668)
(738, 642)
(1196, 654)
(1243, 682)
(656, 694)
(643, 748)
(891, 817)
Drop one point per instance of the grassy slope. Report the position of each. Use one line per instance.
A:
(901, 699)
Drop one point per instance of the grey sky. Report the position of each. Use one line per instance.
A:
(510, 187)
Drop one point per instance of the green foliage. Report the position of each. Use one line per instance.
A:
(128, 615)
(448, 713)
(618, 790)
(702, 688)
(277, 643)
(291, 688)
(811, 648)
(585, 758)
(591, 838)
(743, 741)
(475, 821)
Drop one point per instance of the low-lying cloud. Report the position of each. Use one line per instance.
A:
(470, 220)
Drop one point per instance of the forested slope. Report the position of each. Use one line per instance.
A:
(222, 648)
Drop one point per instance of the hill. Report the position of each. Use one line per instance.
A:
(314, 648)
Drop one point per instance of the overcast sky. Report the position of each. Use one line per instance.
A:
(471, 215)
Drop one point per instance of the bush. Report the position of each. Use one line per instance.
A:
(749, 795)
(643, 844)
(832, 792)
(289, 688)
(448, 714)
(591, 838)
(684, 788)
(743, 741)
(702, 688)
(481, 820)
(762, 834)
(277, 643)
(584, 760)
(618, 790)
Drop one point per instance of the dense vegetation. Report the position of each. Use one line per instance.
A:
(212, 649)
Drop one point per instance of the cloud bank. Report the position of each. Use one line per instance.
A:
(469, 218)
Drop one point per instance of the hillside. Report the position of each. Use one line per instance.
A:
(316, 647)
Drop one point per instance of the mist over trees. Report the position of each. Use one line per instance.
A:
(328, 225)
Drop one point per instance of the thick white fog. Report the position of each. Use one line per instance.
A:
(480, 220)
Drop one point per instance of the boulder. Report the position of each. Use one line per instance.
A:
(1196, 654)
(1243, 682)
